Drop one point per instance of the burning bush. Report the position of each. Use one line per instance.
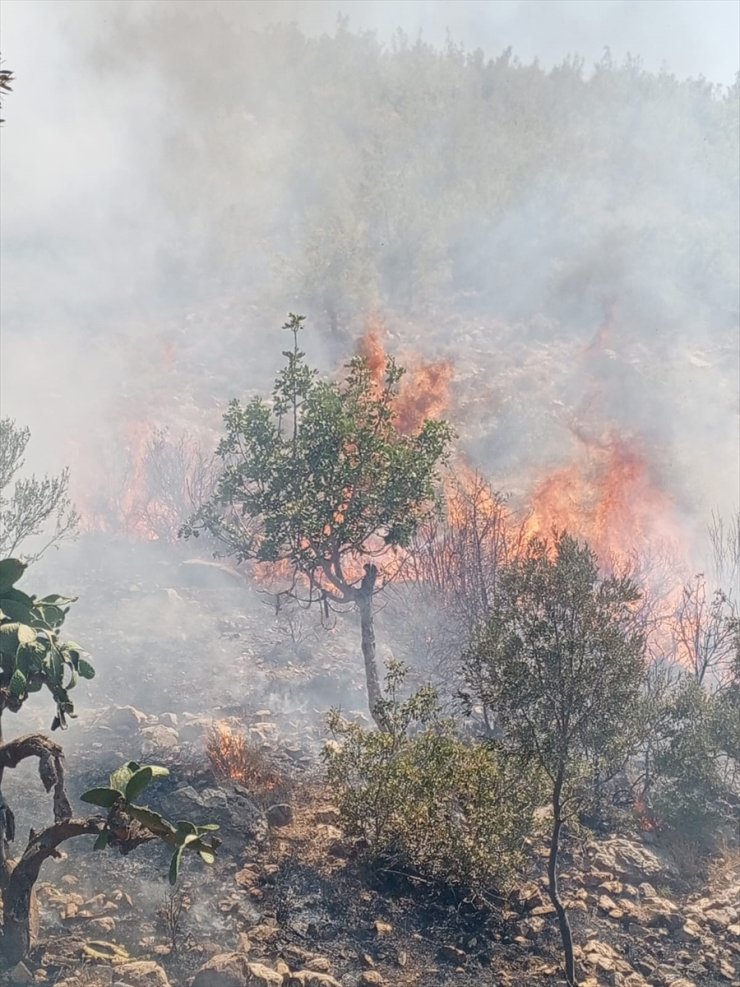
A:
(235, 757)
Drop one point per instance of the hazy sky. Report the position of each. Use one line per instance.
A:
(689, 37)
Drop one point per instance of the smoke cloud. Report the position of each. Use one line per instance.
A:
(176, 177)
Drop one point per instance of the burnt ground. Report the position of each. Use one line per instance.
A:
(178, 646)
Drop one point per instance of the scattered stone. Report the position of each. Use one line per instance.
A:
(126, 718)
(370, 978)
(143, 973)
(280, 814)
(451, 954)
(382, 928)
(159, 738)
(320, 964)
(311, 978)
(235, 970)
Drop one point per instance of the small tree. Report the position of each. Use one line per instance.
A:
(29, 506)
(322, 481)
(561, 668)
(34, 657)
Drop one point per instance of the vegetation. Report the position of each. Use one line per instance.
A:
(426, 802)
(33, 658)
(322, 480)
(563, 668)
(30, 507)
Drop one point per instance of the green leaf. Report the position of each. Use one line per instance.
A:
(123, 775)
(207, 856)
(184, 826)
(152, 820)
(208, 828)
(175, 865)
(26, 634)
(13, 635)
(102, 841)
(51, 615)
(85, 669)
(142, 779)
(17, 611)
(19, 596)
(56, 601)
(11, 571)
(17, 685)
(103, 797)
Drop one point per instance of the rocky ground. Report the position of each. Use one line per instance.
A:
(289, 901)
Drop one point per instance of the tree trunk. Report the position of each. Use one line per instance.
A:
(552, 882)
(20, 911)
(365, 603)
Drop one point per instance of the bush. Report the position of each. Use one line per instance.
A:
(694, 791)
(426, 802)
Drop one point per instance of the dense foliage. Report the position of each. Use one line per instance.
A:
(322, 478)
(428, 803)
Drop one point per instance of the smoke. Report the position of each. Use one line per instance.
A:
(175, 177)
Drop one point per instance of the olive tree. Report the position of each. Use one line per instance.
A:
(321, 480)
(30, 506)
(560, 663)
(33, 658)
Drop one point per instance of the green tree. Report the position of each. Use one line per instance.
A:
(560, 665)
(35, 657)
(30, 507)
(321, 479)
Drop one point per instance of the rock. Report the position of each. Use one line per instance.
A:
(126, 718)
(451, 954)
(382, 928)
(235, 970)
(311, 978)
(628, 859)
(280, 814)
(223, 970)
(20, 974)
(237, 815)
(159, 738)
(319, 964)
(370, 978)
(143, 973)
(262, 976)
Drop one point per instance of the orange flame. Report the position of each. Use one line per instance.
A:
(609, 498)
(234, 756)
(425, 389)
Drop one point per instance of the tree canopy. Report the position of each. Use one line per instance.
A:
(322, 479)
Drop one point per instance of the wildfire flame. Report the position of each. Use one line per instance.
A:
(234, 756)
(425, 389)
(609, 498)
